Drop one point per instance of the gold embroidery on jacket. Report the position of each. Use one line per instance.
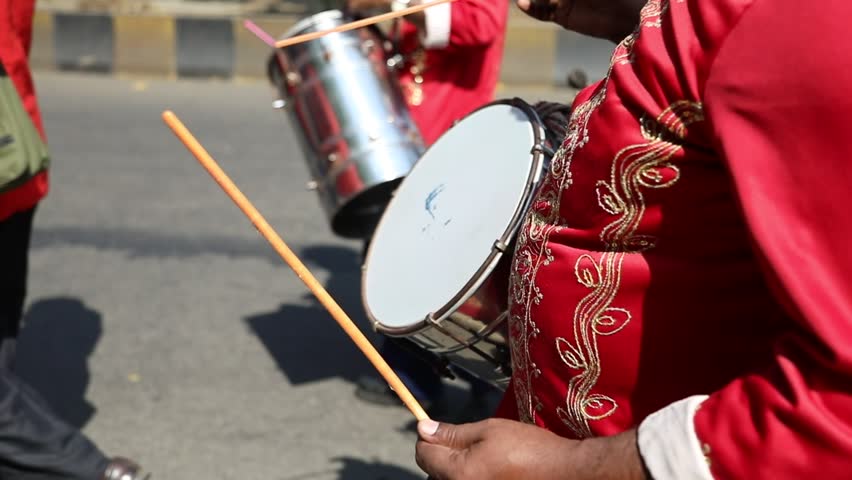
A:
(532, 252)
(635, 168)
(651, 16)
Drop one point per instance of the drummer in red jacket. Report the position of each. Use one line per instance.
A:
(453, 53)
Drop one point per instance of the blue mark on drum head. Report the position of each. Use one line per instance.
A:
(431, 198)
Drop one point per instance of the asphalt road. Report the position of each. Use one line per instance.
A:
(158, 319)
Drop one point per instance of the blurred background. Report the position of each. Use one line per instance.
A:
(206, 37)
(158, 320)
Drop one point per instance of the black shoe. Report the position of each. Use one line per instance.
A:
(123, 469)
(376, 391)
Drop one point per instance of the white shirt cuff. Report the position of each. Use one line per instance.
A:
(439, 19)
(669, 444)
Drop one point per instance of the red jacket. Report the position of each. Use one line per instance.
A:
(463, 53)
(691, 241)
(15, 39)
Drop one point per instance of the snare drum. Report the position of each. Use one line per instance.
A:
(350, 117)
(437, 270)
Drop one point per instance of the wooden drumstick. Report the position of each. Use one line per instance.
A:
(293, 261)
(359, 23)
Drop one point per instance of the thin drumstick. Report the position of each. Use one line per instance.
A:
(293, 261)
(259, 33)
(359, 23)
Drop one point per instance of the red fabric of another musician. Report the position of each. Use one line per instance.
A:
(463, 46)
(15, 39)
(685, 267)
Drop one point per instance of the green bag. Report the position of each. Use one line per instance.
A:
(23, 154)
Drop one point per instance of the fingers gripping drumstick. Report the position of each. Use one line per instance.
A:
(359, 23)
(293, 261)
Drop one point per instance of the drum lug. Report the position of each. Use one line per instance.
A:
(395, 61)
(312, 186)
(540, 149)
(500, 246)
(293, 79)
(279, 104)
(368, 47)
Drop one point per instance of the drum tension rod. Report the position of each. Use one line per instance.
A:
(431, 319)
(537, 148)
(470, 346)
(500, 246)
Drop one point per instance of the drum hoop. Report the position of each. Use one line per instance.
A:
(306, 23)
(280, 60)
(501, 244)
(278, 57)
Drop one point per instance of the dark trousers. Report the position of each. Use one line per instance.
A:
(421, 378)
(416, 373)
(34, 443)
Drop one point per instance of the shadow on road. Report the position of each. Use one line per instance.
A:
(305, 341)
(57, 337)
(348, 468)
(356, 469)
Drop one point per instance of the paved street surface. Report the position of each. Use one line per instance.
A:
(164, 325)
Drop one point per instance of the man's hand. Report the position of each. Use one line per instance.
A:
(546, 10)
(506, 450)
(610, 19)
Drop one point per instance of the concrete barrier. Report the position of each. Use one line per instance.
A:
(197, 45)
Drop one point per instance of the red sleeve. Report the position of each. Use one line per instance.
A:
(22, 21)
(779, 101)
(477, 23)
